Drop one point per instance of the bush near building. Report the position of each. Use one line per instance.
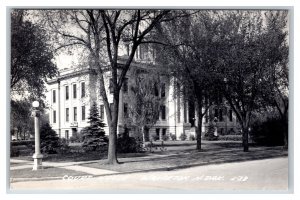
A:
(269, 132)
(50, 142)
(126, 144)
(183, 136)
(209, 135)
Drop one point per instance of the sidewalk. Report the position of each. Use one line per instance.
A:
(73, 168)
(21, 170)
(61, 169)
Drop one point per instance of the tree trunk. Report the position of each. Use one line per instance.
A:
(199, 125)
(112, 147)
(245, 135)
(143, 135)
(285, 134)
(199, 130)
(245, 139)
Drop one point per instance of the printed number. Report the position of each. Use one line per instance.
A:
(239, 178)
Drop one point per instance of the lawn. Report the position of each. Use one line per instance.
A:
(179, 155)
(181, 159)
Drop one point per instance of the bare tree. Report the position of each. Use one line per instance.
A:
(102, 33)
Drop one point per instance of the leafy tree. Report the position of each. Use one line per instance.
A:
(31, 56)
(50, 141)
(144, 105)
(244, 63)
(240, 64)
(191, 58)
(102, 33)
(94, 136)
(20, 118)
(275, 83)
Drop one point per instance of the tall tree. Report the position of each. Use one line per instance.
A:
(144, 106)
(241, 64)
(190, 56)
(103, 33)
(20, 118)
(275, 82)
(31, 56)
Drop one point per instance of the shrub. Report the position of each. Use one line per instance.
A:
(165, 137)
(230, 137)
(192, 137)
(76, 137)
(126, 144)
(209, 135)
(28, 143)
(14, 152)
(183, 136)
(21, 148)
(269, 132)
(50, 142)
(63, 146)
(173, 137)
(155, 137)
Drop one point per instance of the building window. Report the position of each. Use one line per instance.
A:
(67, 134)
(75, 114)
(125, 110)
(54, 96)
(157, 133)
(125, 85)
(111, 87)
(67, 92)
(163, 112)
(220, 115)
(54, 116)
(155, 89)
(74, 91)
(164, 131)
(137, 53)
(163, 90)
(185, 113)
(102, 111)
(83, 113)
(67, 114)
(230, 115)
(83, 89)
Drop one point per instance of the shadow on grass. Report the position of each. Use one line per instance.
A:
(191, 158)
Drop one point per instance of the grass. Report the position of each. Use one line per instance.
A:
(46, 172)
(174, 157)
(188, 158)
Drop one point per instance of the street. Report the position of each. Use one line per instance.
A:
(267, 174)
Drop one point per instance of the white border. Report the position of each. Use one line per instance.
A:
(151, 3)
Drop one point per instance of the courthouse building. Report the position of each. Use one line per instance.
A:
(72, 93)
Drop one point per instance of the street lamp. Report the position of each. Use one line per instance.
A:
(37, 156)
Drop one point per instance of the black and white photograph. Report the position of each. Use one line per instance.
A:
(149, 100)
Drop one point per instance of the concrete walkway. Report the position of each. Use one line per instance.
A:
(76, 165)
(66, 165)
